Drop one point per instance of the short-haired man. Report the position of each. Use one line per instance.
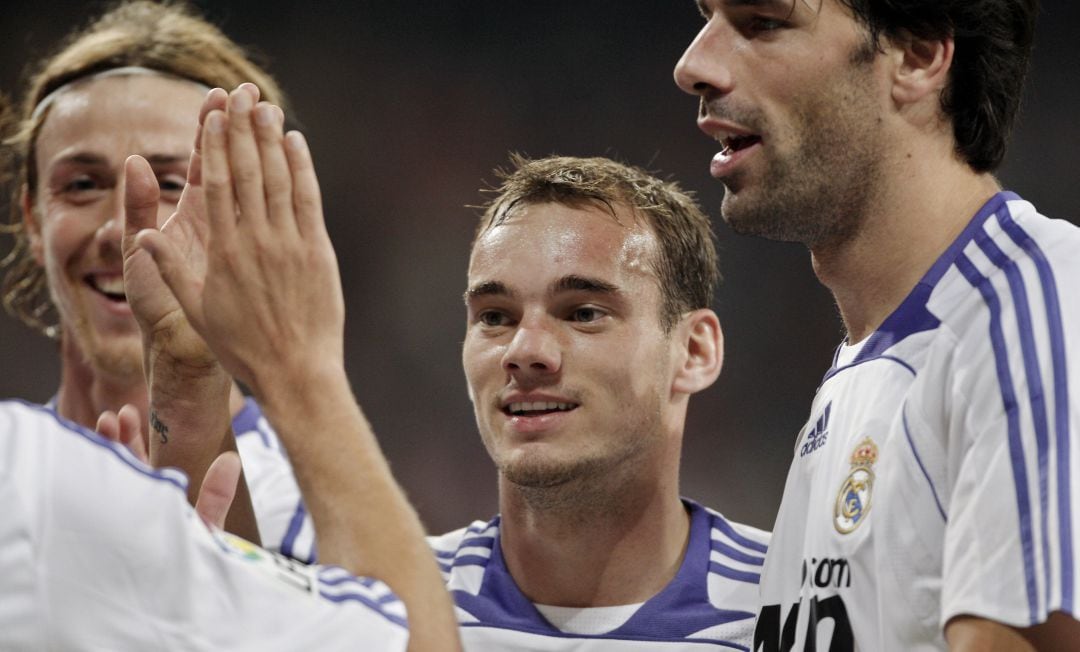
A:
(930, 500)
(589, 329)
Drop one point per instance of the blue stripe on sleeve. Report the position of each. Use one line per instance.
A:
(725, 527)
(291, 534)
(1061, 400)
(1008, 397)
(1034, 381)
(734, 574)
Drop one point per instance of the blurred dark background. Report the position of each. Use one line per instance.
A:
(408, 107)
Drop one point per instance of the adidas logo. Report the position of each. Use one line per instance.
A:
(819, 434)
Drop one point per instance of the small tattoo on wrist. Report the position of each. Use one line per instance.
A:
(159, 427)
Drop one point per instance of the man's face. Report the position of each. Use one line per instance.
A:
(790, 90)
(78, 206)
(568, 366)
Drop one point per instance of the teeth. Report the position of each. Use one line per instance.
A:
(108, 284)
(536, 406)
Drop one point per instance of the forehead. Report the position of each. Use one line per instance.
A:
(541, 242)
(129, 114)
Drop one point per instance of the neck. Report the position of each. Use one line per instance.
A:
(591, 545)
(932, 198)
(85, 392)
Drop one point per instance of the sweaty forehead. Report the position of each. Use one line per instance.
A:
(551, 239)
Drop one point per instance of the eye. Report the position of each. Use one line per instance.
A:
(765, 24)
(492, 318)
(171, 186)
(81, 183)
(586, 314)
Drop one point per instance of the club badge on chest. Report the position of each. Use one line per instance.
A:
(854, 499)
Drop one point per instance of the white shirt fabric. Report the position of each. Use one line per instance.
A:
(284, 523)
(100, 552)
(934, 477)
(709, 605)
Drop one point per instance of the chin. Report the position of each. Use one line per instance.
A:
(117, 356)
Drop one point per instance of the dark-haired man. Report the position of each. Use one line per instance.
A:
(930, 500)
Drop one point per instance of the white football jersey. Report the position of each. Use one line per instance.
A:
(284, 523)
(709, 605)
(933, 478)
(100, 552)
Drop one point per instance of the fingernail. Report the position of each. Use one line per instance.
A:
(264, 115)
(296, 140)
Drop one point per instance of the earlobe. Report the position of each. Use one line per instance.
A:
(30, 223)
(704, 342)
(923, 68)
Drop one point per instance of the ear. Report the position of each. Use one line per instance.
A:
(704, 352)
(922, 68)
(30, 223)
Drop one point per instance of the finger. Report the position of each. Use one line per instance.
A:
(252, 90)
(215, 101)
(218, 489)
(244, 160)
(277, 178)
(181, 280)
(307, 199)
(141, 194)
(131, 432)
(108, 426)
(217, 179)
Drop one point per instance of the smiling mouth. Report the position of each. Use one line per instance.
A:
(111, 288)
(537, 408)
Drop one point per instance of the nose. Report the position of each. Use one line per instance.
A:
(702, 69)
(533, 352)
(110, 231)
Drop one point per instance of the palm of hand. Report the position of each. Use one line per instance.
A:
(155, 308)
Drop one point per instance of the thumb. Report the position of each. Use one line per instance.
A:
(141, 194)
(182, 281)
(218, 489)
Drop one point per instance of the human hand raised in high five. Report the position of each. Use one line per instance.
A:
(189, 392)
(269, 304)
(270, 273)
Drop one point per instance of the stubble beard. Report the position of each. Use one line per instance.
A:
(820, 194)
(114, 357)
(585, 484)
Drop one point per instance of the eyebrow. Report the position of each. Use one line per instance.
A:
(574, 283)
(487, 289)
(569, 283)
(89, 158)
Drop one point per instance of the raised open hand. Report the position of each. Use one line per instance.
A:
(164, 326)
(270, 270)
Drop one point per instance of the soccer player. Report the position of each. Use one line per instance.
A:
(101, 551)
(930, 501)
(588, 330)
(131, 82)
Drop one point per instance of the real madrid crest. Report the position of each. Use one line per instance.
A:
(853, 501)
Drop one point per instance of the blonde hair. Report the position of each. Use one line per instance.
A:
(164, 36)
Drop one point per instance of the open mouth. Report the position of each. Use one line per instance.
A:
(733, 144)
(537, 408)
(111, 286)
